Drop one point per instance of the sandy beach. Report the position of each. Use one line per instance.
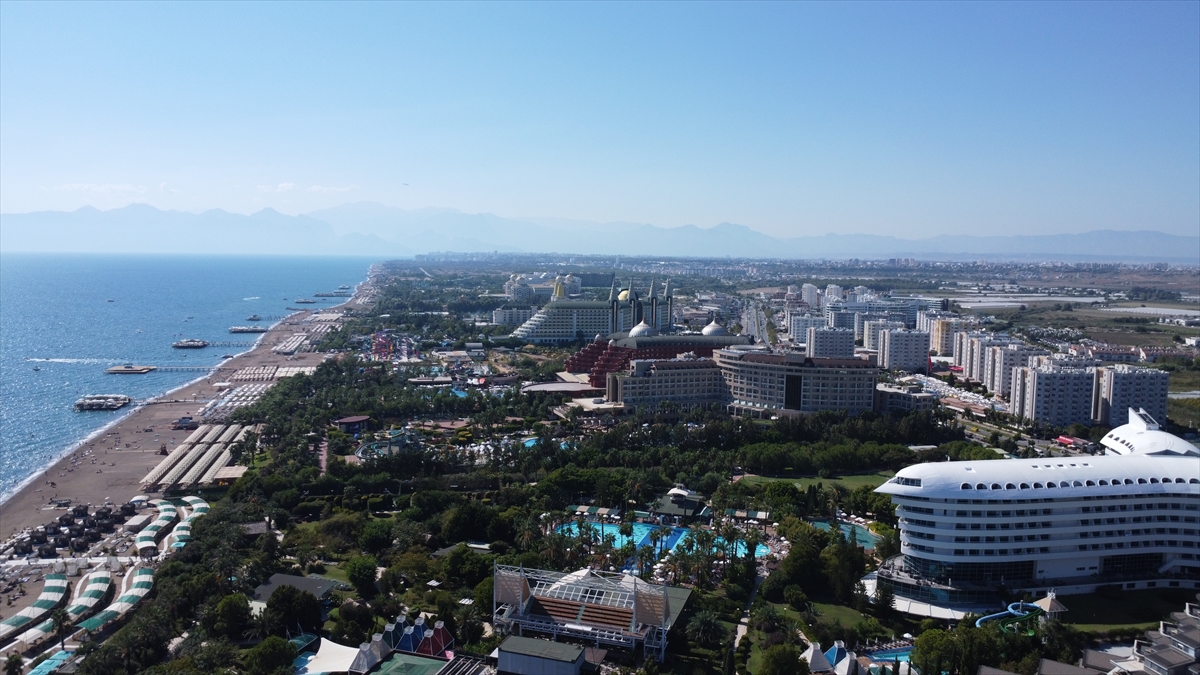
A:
(110, 466)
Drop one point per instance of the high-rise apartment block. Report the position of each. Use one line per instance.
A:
(906, 350)
(799, 323)
(999, 363)
(1123, 387)
(872, 329)
(975, 361)
(861, 319)
(1055, 395)
(811, 295)
(962, 347)
(941, 335)
(830, 343)
(836, 319)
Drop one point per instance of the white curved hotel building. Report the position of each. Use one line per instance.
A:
(1131, 516)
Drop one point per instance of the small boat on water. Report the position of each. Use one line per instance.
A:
(227, 356)
(189, 344)
(37, 367)
(254, 317)
(305, 301)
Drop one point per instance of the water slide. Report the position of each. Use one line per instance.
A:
(1017, 612)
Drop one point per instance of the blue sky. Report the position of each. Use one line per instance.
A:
(794, 119)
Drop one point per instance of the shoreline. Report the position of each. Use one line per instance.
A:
(75, 446)
(127, 447)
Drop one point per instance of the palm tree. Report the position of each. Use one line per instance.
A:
(705, 629)
(664, 537)
(645, 558)
(655, 535)
(61, 622)
(262, 626)
(14, 664)
(527, 535)
(470, 627)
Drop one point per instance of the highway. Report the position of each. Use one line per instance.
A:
(754, 322)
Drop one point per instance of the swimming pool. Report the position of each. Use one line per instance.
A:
(891, 655)
(866, 538)
(641, 536)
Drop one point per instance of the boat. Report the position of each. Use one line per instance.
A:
(343, 287)
(254, 317)
(102, 402)
(189, 344)
(37, 367)
(248, 329)
(227, 356)
(109, 300)
(305, 301)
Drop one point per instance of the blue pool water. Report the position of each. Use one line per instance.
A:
(866, 538)
(891, 655)
(641, 536)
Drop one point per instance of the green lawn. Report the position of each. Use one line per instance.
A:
(1137, 609)
(837, 614)
(849, 482)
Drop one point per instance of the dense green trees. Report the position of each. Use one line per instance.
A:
(272, 656)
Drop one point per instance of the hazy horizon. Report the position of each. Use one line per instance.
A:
(912, 120)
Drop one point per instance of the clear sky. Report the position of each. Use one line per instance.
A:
(794, 119)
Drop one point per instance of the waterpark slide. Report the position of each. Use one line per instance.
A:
(1016, 613)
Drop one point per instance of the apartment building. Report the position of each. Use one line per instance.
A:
(800, 322)
(999, 363)
(906, 350)
(831, 343)
(1123, 387)
(872, 329)
(1056, 395)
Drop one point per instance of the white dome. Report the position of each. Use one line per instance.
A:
(714, 328)
(643, 329)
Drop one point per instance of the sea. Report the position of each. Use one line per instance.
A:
(64, 319)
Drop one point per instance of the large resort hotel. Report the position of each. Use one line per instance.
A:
(971, 530)
(565, 320)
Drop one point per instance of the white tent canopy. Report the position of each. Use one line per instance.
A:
(331, 658)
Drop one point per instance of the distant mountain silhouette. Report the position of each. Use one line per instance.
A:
(371, 229)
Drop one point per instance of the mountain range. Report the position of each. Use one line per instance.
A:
(371, 229)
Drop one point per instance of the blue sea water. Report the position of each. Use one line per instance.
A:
(55, 316)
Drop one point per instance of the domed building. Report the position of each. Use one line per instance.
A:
(565, 320)
(714, 328)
